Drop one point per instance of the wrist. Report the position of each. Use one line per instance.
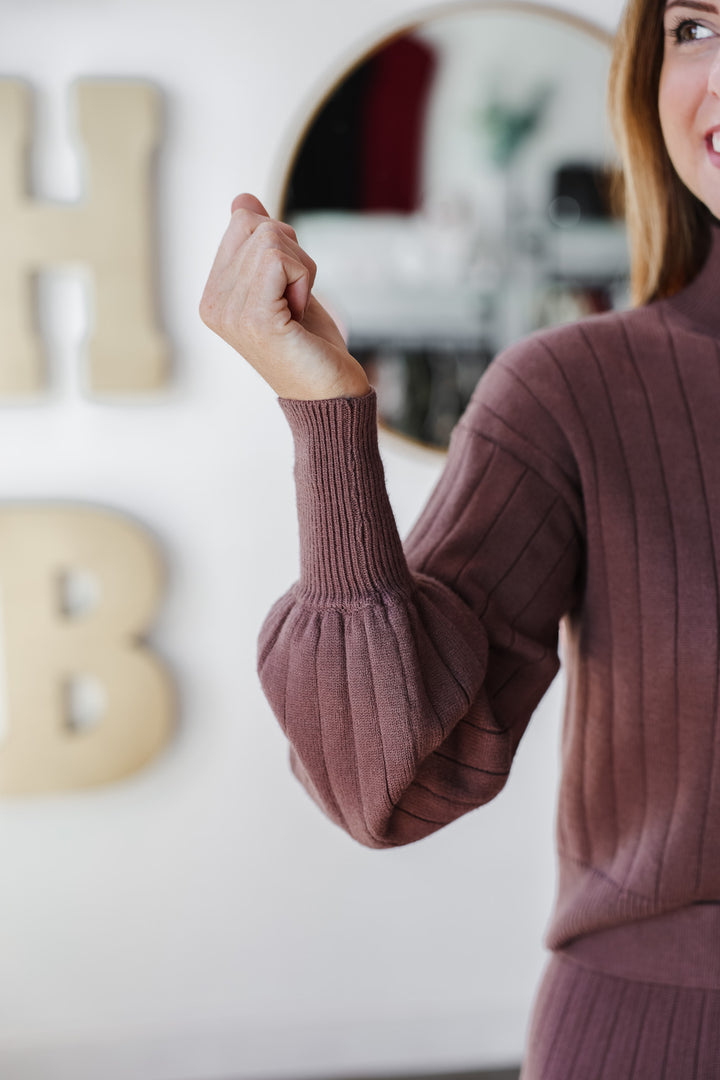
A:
(354, 386)
(351, 388)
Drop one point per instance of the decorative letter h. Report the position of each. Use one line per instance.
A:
(110, 232)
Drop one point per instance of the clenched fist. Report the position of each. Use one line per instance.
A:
(259, 299)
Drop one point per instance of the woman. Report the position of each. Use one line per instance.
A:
(581, 485)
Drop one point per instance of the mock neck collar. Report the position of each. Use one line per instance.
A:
(698, 304)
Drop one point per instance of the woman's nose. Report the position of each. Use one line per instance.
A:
(714, 75)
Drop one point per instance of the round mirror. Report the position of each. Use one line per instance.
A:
(455, 191)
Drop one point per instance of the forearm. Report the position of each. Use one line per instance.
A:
(379, 670)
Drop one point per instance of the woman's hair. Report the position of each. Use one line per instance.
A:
(668, 227)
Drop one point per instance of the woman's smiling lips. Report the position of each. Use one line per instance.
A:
(712, 141)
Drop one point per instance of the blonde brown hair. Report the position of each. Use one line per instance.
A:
(668, 227)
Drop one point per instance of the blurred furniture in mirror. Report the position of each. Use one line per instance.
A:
(455, 191)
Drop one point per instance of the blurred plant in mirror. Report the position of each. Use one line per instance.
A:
(507, 126)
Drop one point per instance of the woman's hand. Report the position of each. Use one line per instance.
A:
(259, 299)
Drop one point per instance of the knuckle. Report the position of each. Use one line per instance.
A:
(268, 230)
(207, 310)
(270, 256)
(275, 234)
(279, 321)
(262, 226)
(227, 320)
(244, 218)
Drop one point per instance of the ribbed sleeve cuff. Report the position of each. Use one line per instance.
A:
(350, 550)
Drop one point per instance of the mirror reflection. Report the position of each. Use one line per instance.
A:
(455, 190)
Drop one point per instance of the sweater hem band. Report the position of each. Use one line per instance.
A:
(678, 948)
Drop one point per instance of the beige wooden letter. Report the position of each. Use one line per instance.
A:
(111, 232)
(46, 647)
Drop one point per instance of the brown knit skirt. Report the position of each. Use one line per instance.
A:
(607, 1007)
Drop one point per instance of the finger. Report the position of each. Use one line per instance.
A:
(248, 202)
(269, 236)
(267, 309)
(275, 263)
(254, 206)
(269, 243)
(297, 295)
(243, 224)
(282, 236)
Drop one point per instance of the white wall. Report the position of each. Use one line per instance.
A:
(203, 920)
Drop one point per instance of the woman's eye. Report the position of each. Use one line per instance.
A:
(689, 30)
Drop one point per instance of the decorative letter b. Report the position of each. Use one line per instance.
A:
(47, 648)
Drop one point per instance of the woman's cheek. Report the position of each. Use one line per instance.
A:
(676, 101)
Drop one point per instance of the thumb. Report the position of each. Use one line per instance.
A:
(248, 202)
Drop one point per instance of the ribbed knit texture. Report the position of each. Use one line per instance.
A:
(587, 1025)
(582, 485)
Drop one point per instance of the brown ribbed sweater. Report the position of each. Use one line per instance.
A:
(582, 485)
